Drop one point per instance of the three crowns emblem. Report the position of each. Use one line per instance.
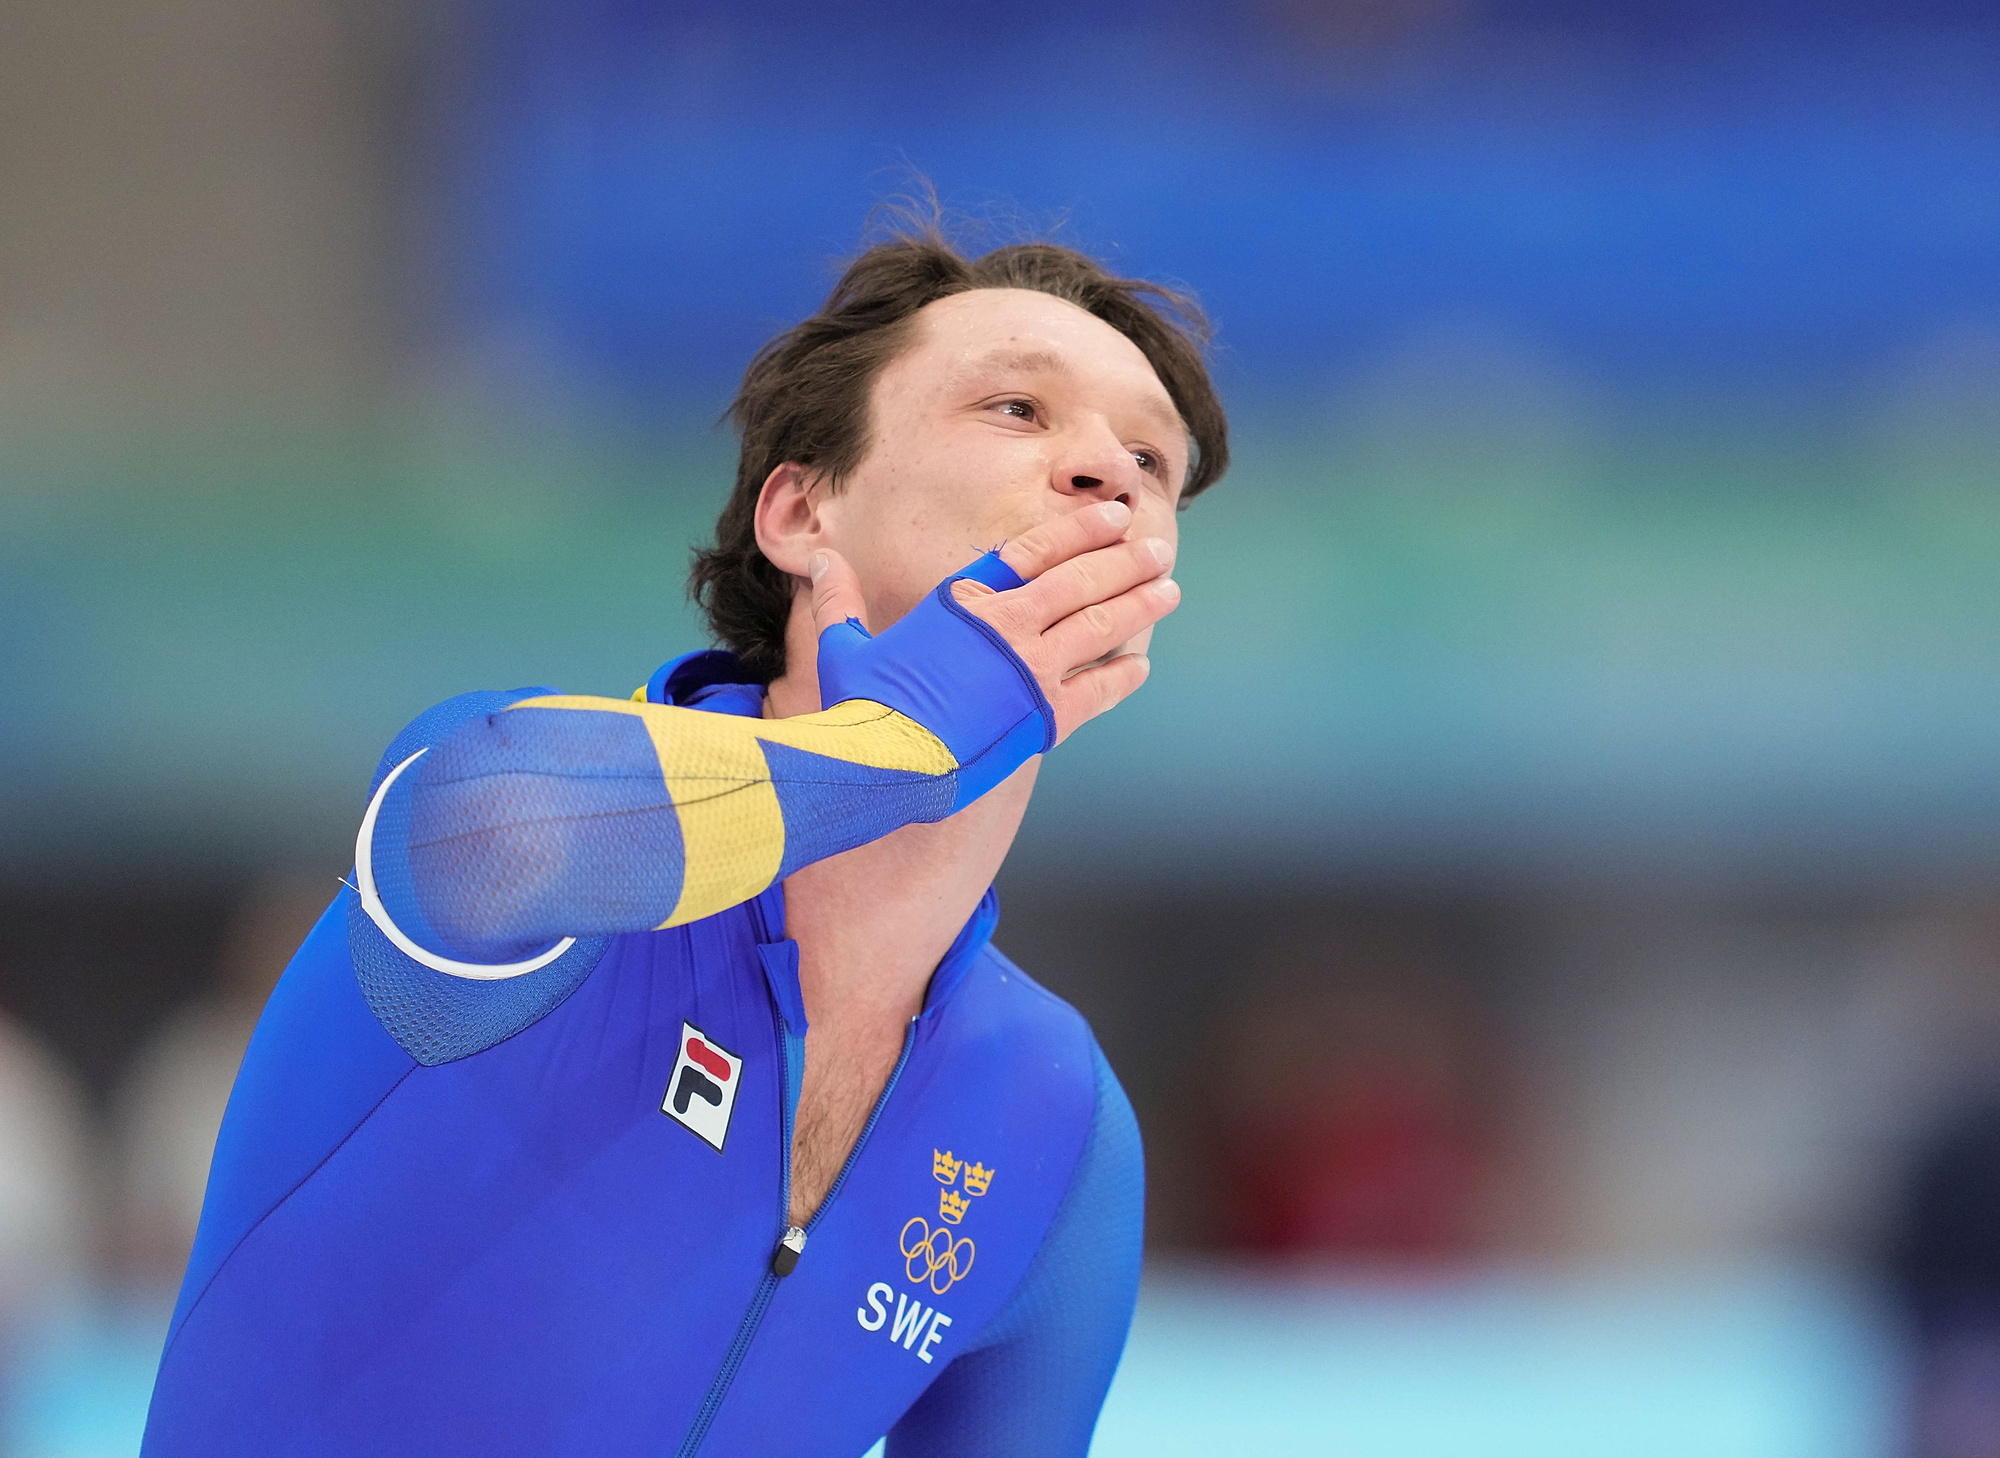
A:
(940, 1257)
(947, 1171)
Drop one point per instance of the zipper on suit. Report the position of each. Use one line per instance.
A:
(790, 1246)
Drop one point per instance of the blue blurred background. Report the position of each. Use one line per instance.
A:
(1544, 903)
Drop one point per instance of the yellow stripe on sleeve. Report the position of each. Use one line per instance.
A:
(732, 829)
(861, 731)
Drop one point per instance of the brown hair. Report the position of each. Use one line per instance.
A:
(805, 397)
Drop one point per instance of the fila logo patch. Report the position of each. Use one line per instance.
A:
(702, 1092)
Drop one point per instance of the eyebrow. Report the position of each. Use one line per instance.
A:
(1049, 362)
(1046, 360)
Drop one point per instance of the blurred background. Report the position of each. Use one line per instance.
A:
(1545, 906)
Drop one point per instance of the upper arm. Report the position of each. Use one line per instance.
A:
(1036, 1376)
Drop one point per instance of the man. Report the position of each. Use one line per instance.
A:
(655, 1087)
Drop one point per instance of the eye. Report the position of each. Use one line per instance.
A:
(1149, 462)
(1020, 410)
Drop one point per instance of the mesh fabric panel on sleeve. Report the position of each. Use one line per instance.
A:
(435, 1017)
(530, 825)
(438, 1018)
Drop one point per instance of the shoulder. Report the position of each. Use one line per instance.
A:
(1001, 1003)
(1045, 1050)
(1005, 993)
(1056, 1042)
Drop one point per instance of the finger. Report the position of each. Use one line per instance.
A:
(1040, 548)
(1095, 577)
(1095, 630)
(967, 591)
(1088, 694)
(836, 591)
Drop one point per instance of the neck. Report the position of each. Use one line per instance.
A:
(873, 923)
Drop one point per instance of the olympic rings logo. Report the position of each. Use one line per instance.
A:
(932, 1255)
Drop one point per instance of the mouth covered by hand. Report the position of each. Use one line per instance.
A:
(1087, 596)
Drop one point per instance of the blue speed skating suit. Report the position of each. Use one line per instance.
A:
(507, 1166)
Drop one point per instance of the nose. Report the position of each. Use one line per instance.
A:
(1102, 468)
(1094, 486)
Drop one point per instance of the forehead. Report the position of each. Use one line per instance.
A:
(990, 331)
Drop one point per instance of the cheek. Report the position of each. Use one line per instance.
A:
(1156, 518)
(907, 522)
(906, 559)
(892, 591)
(886, 530)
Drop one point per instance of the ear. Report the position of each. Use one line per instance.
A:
(789, 529)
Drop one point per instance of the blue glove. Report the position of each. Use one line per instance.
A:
(951, 673)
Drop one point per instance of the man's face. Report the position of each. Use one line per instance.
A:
(1009, 407)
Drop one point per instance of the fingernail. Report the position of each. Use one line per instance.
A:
(1167, 589)
(1114, 512)
(1162, 552)
(816, 565)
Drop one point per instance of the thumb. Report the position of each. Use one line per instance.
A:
(836, 591)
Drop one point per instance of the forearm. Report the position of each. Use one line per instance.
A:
(570, 816)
